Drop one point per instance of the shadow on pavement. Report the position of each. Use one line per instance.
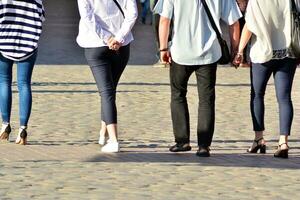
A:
(157, 143)
(217, 159)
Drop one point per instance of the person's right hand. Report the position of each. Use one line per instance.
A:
(165, 57)
(113, 44)
(238, 59)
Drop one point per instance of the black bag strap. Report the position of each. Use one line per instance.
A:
(211, 19)
(118, 5)
(294, 5)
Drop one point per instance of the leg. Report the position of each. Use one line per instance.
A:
(5, 88)
(144, 12)
(206, 81)
(284, 76)
(25, 69)
(179, 76)
(260, 74)
(99, 60)
(100, 64)
(119, 61)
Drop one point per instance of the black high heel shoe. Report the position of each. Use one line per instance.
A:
(4, 135)
(22, 137)
(261, 147)
(282, 153)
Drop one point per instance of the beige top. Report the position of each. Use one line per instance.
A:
(270, 23)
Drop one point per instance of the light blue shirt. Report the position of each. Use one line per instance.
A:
(194, 42)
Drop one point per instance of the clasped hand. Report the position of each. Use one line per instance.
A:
(113, 44)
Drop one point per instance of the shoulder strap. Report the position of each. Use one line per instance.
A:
(211, 19)
(294, 7)
(118, 5)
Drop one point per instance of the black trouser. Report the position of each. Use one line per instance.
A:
(206, 81)
(107, 67)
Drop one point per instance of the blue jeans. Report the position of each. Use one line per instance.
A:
(145, 8)
(24, 74)
(283, 72)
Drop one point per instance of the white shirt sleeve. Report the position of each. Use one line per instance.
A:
(131, 14)
(164, 8)
(230, 11)
(87, 14)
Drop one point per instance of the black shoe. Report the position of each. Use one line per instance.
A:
(143, 20)
(22, 137)
(282, 153)
(180, 147)
(203, 152)
(261, 147)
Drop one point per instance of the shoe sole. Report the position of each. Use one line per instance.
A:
(4, 137)
(110, 151)
(203, 156)
(181, 150)
(22, 142)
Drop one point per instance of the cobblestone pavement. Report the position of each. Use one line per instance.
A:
(63, 160)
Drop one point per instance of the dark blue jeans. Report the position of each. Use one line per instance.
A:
(283, 72)
(107, 67)
(145, 8)
(24, 73)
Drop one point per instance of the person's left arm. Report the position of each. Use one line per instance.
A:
(234, 31)
(131, 14)
(231, 14)
(245, 37)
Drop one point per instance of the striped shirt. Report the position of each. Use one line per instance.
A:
(20, 27)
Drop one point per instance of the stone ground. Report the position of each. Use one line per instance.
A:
(63, 159)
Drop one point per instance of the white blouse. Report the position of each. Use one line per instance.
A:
(270, 23)
(101, 19)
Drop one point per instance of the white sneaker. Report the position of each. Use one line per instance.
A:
(111, 147)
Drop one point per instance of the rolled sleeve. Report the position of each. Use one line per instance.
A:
(164, 8)
(230, 11)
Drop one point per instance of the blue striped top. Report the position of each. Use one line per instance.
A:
(20, 27)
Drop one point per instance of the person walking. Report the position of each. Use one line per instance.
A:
(20, 28)
(194, 48)
(268, 24)
(105, 34)
(145, 10)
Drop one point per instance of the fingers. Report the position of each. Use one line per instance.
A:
(165, 57)
(238, 59)
(113, 44)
